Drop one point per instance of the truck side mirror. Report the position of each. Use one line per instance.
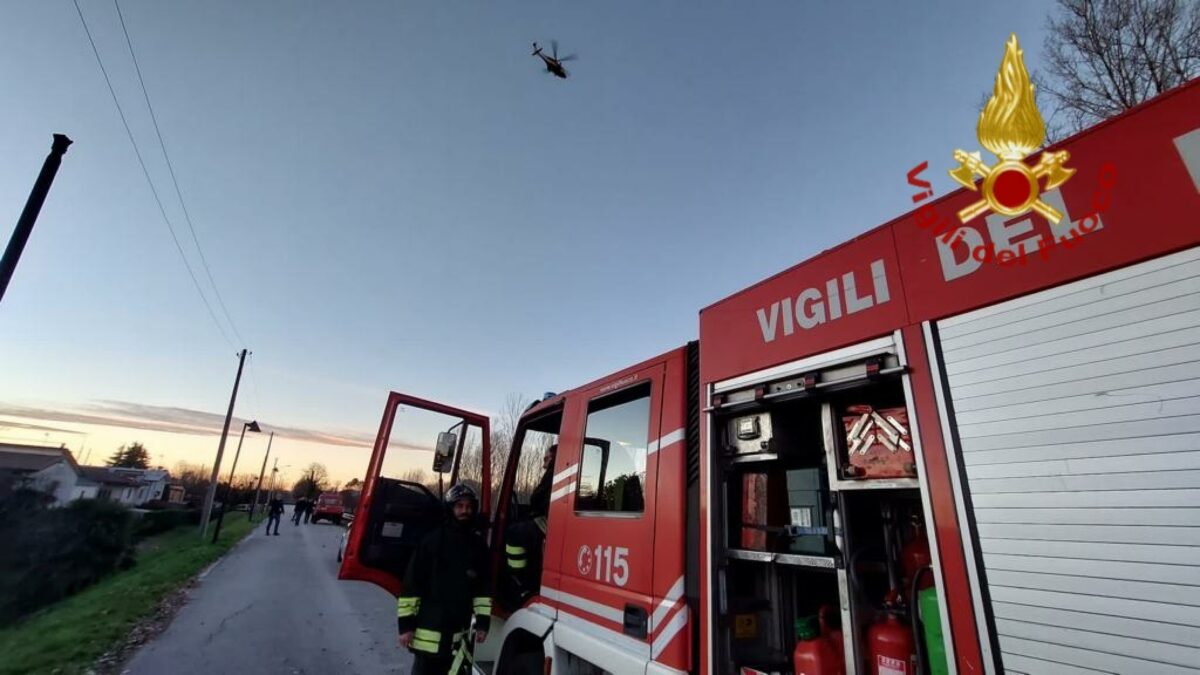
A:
(443, 454)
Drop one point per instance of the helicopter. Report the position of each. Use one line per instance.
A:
(554, 64)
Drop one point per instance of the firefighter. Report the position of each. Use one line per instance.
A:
(523, 548)
(446, 583)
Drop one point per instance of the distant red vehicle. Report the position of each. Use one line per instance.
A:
(328, 507)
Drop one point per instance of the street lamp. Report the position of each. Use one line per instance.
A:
(275, 477)
(246, 426)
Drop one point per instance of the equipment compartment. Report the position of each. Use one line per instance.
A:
(887, 568)
(869, 437)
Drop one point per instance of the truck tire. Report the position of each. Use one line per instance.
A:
(525, 663)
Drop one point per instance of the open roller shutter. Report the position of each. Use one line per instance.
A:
(1078, 420)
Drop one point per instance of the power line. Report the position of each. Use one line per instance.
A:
(150, 182)
(171, 169)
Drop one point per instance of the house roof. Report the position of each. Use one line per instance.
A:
(16, 457)
(104, 474)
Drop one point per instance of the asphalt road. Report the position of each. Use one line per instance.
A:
(274, 605)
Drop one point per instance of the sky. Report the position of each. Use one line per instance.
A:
(394, 196)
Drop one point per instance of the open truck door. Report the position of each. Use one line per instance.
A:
(422, 448)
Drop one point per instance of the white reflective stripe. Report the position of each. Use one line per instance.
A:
(561, 492)
(601, 610)
(673, 437)
(668, 602)
(566, 473)
(676, 624)
(633, 647)
(1188, 146)
(543, 609)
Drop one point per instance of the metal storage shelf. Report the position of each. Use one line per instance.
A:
(840, 484)
(755, 457)
(794, 559)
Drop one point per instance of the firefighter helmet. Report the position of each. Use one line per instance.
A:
(461, 491)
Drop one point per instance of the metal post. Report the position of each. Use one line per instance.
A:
(33, 206)
(211, 495)
(229, 485)
(274, 477)
(258, 489)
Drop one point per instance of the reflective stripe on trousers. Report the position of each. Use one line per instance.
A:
(482, 605)
(426, 640)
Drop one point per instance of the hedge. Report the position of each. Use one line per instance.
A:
(49, 554)
(157, 522)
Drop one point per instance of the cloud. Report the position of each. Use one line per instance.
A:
(175, 420)
(9, 424)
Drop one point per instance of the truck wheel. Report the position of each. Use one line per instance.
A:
(526, 663)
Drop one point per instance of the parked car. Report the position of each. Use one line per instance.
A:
(328, 507)
(342, 545)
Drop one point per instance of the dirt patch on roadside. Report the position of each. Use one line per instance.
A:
(113, 661)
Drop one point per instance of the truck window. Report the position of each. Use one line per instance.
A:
(529, 463)
(612, 469)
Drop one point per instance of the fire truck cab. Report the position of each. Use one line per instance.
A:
(894, 456)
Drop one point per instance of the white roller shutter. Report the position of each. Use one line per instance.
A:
(1078, 417)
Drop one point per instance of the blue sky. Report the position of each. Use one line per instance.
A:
(394, 197)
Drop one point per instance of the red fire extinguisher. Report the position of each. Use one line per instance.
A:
(813, 654)
(890, 647)
(834, 637)
(914, 556)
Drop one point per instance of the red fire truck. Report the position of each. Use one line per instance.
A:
(974, 466)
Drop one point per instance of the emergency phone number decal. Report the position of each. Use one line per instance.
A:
(604, 563)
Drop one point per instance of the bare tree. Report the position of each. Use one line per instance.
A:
(415, 476)
(193, 478)
(314, 481)
(1107, 56)
(504, 429)
(529, 464)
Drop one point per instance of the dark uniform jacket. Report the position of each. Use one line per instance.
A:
(447, 581)
(539, 499)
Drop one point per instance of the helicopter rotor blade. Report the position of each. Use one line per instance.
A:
(569, 57)
(554, 48)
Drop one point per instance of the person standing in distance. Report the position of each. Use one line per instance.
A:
(446, 584)
(274, 513)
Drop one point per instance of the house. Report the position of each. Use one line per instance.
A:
(55, 472)
(49, 469)
(175, 493)
(131, 487)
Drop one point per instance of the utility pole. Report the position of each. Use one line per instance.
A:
(274, 475)
(246, 426)
(261, 471)
(33, 206)
(212, 481)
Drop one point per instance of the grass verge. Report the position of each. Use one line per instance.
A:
(69, 636)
